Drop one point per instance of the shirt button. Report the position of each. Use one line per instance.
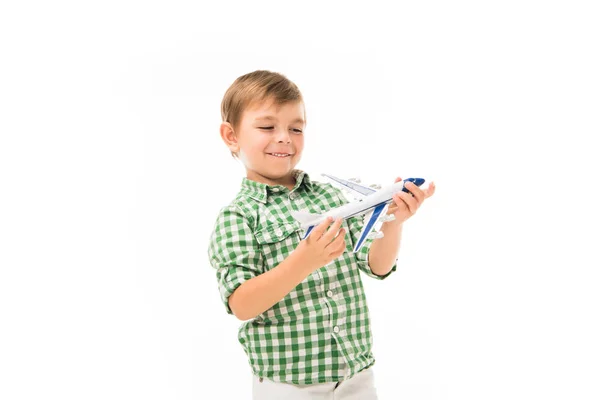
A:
(278, 232)
(329, 293)
(293, 195)
(336, 329)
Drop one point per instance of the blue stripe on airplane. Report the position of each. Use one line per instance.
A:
(369, 226)
(310, 228)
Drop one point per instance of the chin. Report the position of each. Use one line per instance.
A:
(277, 174)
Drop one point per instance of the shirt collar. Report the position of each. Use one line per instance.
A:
(261, 191)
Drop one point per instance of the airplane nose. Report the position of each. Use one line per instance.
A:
(417, 181)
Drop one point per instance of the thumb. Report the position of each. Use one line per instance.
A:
(430, 190)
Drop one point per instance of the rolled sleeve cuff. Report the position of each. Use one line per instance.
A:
(362, 258)
(230, 279)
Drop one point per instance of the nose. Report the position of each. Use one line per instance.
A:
(282, 136)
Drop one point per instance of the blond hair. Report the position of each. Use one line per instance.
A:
(256, 87)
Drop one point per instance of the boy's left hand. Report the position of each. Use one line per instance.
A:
(405, 205)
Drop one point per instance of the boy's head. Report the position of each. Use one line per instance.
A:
(263, 123)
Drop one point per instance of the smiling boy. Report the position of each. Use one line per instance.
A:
(306, 331)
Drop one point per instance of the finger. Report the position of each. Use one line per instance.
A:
(430, 190)
(400, 204)
(338, 252)
(398, 179)
(333, 230)
(415, 191)
(333, 245)
(320, 229)
(339, 244)
(410, 202)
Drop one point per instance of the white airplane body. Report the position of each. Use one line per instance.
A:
(374, 203)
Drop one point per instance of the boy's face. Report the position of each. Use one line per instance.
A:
(270, 140)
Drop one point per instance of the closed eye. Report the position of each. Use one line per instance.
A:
(268, 128)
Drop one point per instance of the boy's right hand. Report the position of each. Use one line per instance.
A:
(322, 246)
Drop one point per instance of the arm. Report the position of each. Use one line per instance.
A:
(246, 289)
(376, 259)
(260, 293)
(384, 252)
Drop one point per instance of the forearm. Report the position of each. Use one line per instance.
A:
(260, 293)
(384, 251)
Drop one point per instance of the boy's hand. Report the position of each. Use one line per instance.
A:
(406, 204)
(322, 246)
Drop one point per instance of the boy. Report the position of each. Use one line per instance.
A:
(307, 332)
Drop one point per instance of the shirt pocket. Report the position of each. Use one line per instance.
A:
(277, 241)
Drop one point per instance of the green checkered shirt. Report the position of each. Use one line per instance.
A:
(320, 331)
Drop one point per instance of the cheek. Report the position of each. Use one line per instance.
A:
(255, 147)
(298, 142)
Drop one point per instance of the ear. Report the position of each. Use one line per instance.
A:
(229, 137)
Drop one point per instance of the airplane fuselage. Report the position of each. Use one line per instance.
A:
(382, 196)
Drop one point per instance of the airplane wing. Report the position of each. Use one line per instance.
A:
(363, 190)
(307, 221)
(371, 219)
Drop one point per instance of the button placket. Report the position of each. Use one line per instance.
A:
(330, 295)
(328, 314)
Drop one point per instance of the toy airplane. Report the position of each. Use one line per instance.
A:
(373, 202)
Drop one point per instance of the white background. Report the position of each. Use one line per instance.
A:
(112, 172)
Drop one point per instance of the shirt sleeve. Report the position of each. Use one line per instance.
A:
(355, 225)
(233, 252)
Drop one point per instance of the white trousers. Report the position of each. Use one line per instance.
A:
(360, 387)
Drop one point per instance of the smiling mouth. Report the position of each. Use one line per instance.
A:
(280, 155)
